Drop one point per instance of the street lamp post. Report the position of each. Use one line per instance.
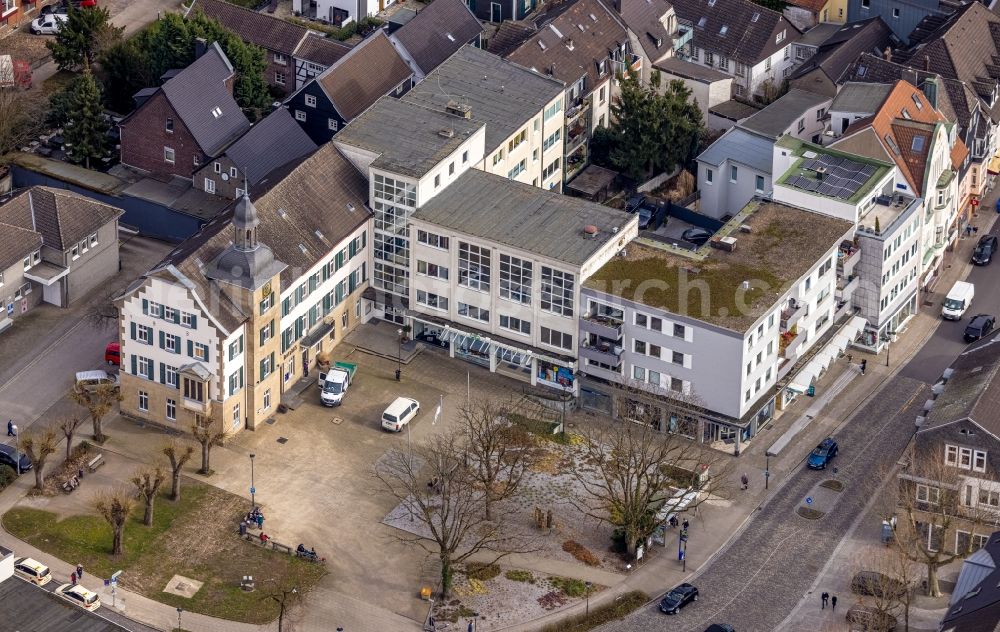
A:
(179, 611)
(253, 489)
(399, 353)
(767, 469)
(588, 585)
(887, 339)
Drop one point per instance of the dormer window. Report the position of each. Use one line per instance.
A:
(702, 22)
(216, 111)
(602, 67)
(780, 37)
(756, 16)
(723, 30)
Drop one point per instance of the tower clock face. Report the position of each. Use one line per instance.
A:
(266, 289)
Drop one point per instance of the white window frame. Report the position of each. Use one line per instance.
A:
(925, 492)
(209, 185)
(310, 100)
(300, 116)
(169, 155)
(171, 409)
(143, 401)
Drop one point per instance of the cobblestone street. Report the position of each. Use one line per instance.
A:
(760, 577)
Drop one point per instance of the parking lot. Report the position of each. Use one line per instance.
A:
(312, 472)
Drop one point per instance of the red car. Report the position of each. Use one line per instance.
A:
(113, 354)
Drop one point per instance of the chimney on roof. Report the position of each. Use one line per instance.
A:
(927, 63)
(458, 109)
(569, 43)
(551, 69)
(200, 47)
(888, 53)
(820, 172)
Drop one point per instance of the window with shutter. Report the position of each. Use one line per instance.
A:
(133, 331)
(145, 306)
(191, 348)
(135, 362)
(163, 338)
(163, 373)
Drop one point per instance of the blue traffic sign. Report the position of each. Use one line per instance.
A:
(253, 490)
(809, 500)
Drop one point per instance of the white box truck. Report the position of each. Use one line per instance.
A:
(958, 300)
(335, 382)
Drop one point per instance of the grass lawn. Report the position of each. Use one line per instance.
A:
(195, 537)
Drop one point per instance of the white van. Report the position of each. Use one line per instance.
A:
(399, 413)
(90, 380)
(958, 300)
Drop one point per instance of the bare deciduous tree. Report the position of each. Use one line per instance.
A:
(38, 448)
(932, 503)
(888, 582)
(103, 313)
(68, 426)
(178, 455)
(497, 451)
(98, 401)
(639, 469)
(445, 496)
(147, 482)
(115, 506)
(207, 435)
(17, 125)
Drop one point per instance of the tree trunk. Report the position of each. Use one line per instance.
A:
(69, 446)
(98, 430)
(39, 480)
(205, 449)
(117, 546)
(147, 518)
(933, 589)
(631, 541)
(446, 575)
(175, 486)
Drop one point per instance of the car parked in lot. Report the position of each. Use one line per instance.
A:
(979, 327)
(870, 618)
(113, 354)
(677, 598)
(80, 596)
(822, 454)
(985, 250)
(33, 571)
(720, 627)
(399, 413)
(697, 236)
(877, 584)
(92, 380)
(48, 24)
(8, 455)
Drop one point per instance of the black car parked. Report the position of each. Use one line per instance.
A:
(979, 326)
(877, 584)
(983, 253)
(7, 456)
(697, 236)
(677, 598)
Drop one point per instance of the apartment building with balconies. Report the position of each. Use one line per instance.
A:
(879, 265)
(656, 320)
(522, 111)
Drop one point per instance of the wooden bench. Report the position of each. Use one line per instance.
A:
(95, 463)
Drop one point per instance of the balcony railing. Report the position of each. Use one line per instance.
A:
(846, 260)
(846, 287)
(792, 313)
(608, 354)
(602, 325)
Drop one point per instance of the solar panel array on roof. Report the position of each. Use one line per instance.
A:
(840, 177)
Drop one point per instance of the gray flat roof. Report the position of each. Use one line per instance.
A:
(27, 607)
(733, 110)
(690, 70)
(781, 115)
(521, 216)
(819, 34)
(409, 139)
(501, 94)
(742, 146)
(860, 97)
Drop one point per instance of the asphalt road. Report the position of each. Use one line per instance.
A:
(939, 352)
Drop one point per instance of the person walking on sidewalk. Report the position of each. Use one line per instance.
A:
(863, 366)
(825, 597)
(685, 524)
(833, 603)
(79, 572)
(745, 480)
(10, 427)
(72, 578)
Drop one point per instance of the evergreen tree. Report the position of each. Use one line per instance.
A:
(125, 69)
(86, 128)
(82, 37)
(653, 130)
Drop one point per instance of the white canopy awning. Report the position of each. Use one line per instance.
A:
(827, 354)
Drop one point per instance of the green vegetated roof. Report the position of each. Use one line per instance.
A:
(800, 148)
(782, 244)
